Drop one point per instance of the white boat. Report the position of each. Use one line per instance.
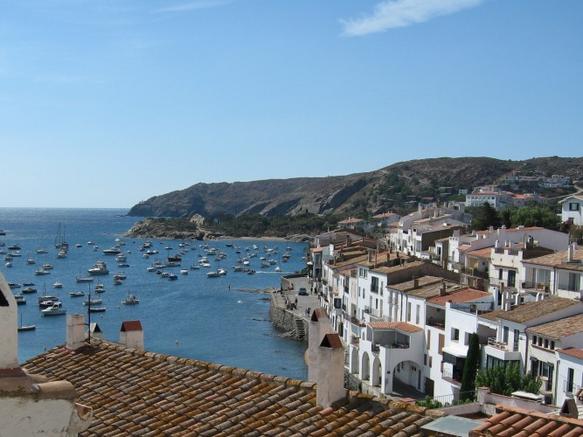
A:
(54, 310)
(8, 264)
(83, 279)
(213, 274)
(47, 266)
(131, 300)
(183, 271)
(278, 269)
(221, 272)
(99, 269)
(111, 251)
(41, 272)
(172, 277)
(77, 293)
(20, 299)
(30, 261)
(92, 302)
(24, 328)
(57, 285)
(29, 290)
(62, 254)
(121, 258)
(42, 251)
(93, 309)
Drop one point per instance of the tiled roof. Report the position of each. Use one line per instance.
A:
(401, 326)
(461, 296)
(481, 253)
(427, 286)
(397, 268)
(350, 220)
(559, 328)
(515, 422)
(531, 310)
(131, 325)
(559, 260)
(572, 352)
(146, 394)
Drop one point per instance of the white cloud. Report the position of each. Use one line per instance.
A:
(194, 5)
(390, 14)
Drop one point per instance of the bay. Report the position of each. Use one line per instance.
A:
(194, 316)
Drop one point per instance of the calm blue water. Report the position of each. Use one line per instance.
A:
(194, 316)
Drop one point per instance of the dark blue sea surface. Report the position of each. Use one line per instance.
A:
(194, 316)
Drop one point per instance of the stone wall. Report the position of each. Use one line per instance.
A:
(285, 320)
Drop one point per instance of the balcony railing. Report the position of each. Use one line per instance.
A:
(569, 287)
(540, 286)
(498, 344)
(436, 323)
(475, 272)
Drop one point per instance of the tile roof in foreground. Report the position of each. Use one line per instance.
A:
(146, 394)
(517, 422)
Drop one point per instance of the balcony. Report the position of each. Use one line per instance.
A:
(436, 323)
(475, 272)
(537, 286)
(498, 344)
(501, 350)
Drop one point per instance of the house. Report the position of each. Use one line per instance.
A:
(385, 219)
(490, 194)
(544, 341)
(559, 273)
(510, 343)
(572, 209)
(569, 375)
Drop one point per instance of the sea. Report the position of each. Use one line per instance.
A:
(221, 320)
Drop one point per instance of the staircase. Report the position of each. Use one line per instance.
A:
(299, 331)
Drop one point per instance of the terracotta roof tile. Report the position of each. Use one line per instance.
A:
(559, 328)
(512, 422)
(531, 310)
(148, 394)
(401, 326)
(572, 352)
(460, 296)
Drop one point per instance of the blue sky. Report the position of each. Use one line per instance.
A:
(107, 102)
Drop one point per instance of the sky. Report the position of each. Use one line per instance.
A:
(104, 103)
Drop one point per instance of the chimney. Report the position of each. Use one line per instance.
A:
(75, 331)
(330, 371)
(443, 289)
(319, 326)
(415, 283)
(8, 324)
(571, 252)
(131, 334)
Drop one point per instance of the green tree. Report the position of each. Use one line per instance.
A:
(470, 368)
(505, 380)
(484, 216)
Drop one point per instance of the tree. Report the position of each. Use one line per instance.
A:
(505, 380)
(470, 368)
(484, 216)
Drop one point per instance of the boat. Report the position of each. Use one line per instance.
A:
(121, 276)
(30, 261)
(60, 242)
(77, 293)
(251, 272)
(184, 271)
(278, 269)
(93, 309)
(14, 285)
(117, 281)
(47, 266)
(2, 232)
(221, 272)
(14, 247)
(24, 328)
(78, 245)
(42, 251)
(91, 302)
(151, 269)
(62, 253)
(111, 251)
(123, 265)
(8, 264)
(214, 274)
(172, 277)
(20, 299)
(54, 310)
(175, 259)
(83, 279)
(100, 288)
(41, 272)
(121, 258)
(194, 267)
(29, 290)
(99, 269)
(28, 284)
(57, 285)
(131, 299)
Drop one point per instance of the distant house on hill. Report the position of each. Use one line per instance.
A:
(572, 209)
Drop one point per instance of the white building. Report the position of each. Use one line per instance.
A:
(543, 342)
(572, 210)
(569, 373)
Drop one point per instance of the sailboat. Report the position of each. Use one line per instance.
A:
(24, 328)
(60, 242)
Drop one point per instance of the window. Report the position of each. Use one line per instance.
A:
(382, 287)
(534, 340)
(408, 311)
(516, 338)
(552, 345)
(441, 342)
(455, 334)
(417, 313)
(505, 335)
(430, 361)
(500, 273)
(425, 359)
(466, 338)
(573, 206)
(374, 284)
(540, 342)
(546, 343)
(570, 378)
(428, 340)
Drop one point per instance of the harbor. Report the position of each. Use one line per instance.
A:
(164, 283)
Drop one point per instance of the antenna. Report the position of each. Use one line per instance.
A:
(89, 315)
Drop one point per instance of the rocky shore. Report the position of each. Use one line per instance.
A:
(192, 229)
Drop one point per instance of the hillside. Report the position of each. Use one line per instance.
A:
(396, 187)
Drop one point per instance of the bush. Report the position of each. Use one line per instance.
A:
(507, 379)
